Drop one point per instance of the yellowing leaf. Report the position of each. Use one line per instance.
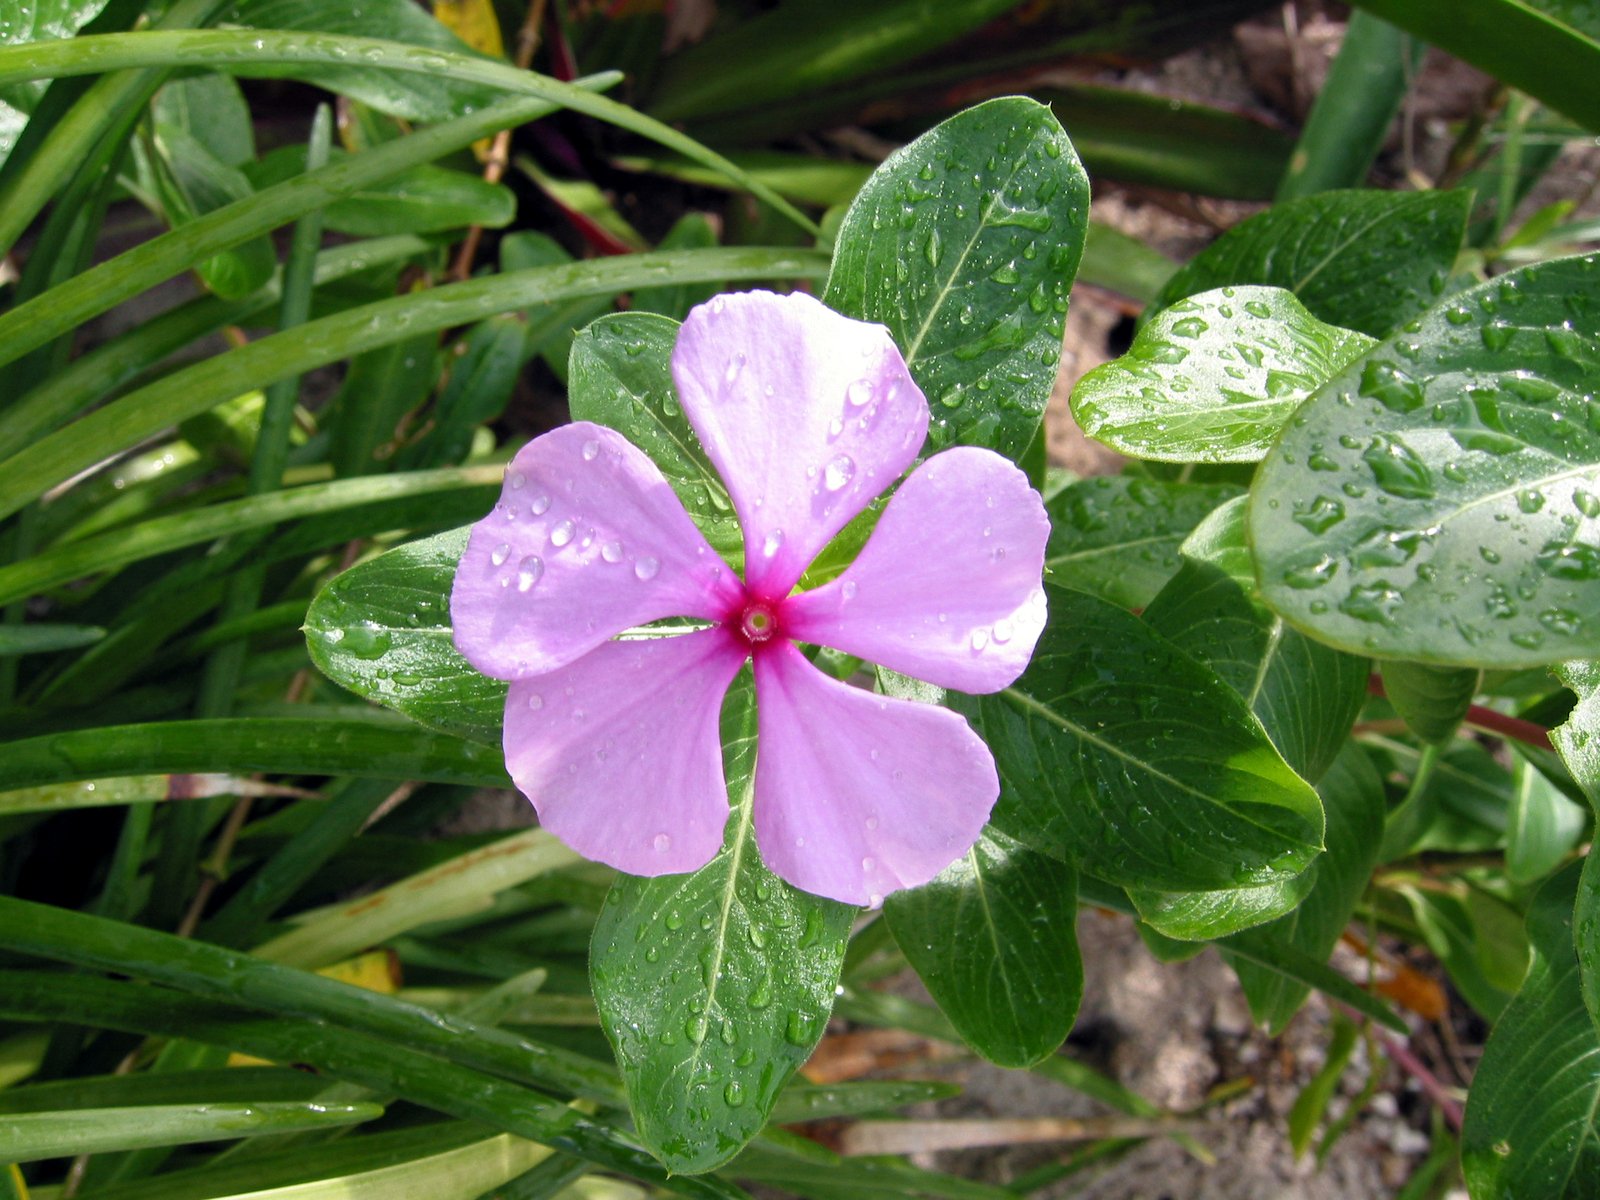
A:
(474, 22)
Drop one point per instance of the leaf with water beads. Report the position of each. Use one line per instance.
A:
(1214, 377)
(1439, 501)
(715, 986)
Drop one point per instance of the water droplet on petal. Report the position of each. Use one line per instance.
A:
(535, 701)
(516, 481)
(980, 638)
(662, 843)
(540, 505)
(840, 470)
(772, 544)
(647, 567)
(835, 427)
(611, 551)
(528, 572)
(562, 534)
(591, 450)
(848, 589)
(735, 365)
(1002, 631)
(499, 554)
(860, 392)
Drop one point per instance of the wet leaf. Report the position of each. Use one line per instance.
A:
(1357, 259)
(382, 629)
(994, 938)
(1214, 377)
(1122, 754)
(965, 244)
(714, 987)
(1438, 501)
(1352, 798)
(1430, 700)
(1531, 1126)
(1118, 536)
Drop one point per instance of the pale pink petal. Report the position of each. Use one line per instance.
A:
(620, 751)
(807, 415)
(947, 589)
(858, 795)
(587, 540)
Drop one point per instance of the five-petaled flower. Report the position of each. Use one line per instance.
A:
(807, 415)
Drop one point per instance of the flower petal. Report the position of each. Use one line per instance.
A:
(620, 751)
(858, 795)
(947, 589)
(807, 415)
(587, 540)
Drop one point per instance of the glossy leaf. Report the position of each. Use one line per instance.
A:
(382, 629)
(1352, 797)
(1547, 48)
(1366, 261)
(714, 987)
(1446, 521)
(1213, 378)
(621, 376)
(23, 24)
(96, 1130)
(1543, 827)
(1122, 754)
(1204, 916)
(1118, 536)
(1578, 741)
(1430, 700)
(1531, 1126)
(381, 749)
(199, 387)
(994, 939)
(1305, 694)
(424, 199)
(965, 243)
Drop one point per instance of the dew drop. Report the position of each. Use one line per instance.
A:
(611, 551)
(772, 543)
(980, 638)
(867, 864)
(528, 572)
(839, 471)
(499, 554)
(733, 1094)
(835, 427)
(562, 534)
(1002, 631)
(516, 481)
(535, 701)
(735, 365)
(540, 505)
(848, 589)
(591, 450)
(646, 567)
(662, 843)
(860, 392)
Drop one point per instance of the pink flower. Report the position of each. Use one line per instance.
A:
(807, 415)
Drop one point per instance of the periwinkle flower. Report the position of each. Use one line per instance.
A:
(807, 415)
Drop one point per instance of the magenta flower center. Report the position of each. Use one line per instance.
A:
(758, 622)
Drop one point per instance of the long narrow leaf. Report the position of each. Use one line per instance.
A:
(110, 430)
(94, 1130)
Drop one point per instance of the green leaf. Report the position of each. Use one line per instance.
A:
(1430, 700)
(482, 375)
(691, 231)
(97, 1130)
(1430, 503)
(380, 749)
(714, 987)
(965, 243)
(382, 629)
(23, 24)
(213, 111)
(192, 183)
(815, 1102)
(994, 938)
(1213, 378)
(1352, 797)
(41, 638)
(1119, 752)
(1547, 48)
(1306, 695)
(1543, 828)
(419, 97)
(425, 199)
(114, 548)
(1451, 931)
(1204, 916)
(795, 49)
(621, 376)
(194, 389)
(1578, 741)
(1530, 1127)
(381, 387)
(1117, 536)
(1354, 110)
(1359, 260)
